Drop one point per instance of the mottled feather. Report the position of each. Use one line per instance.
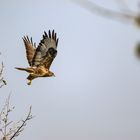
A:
(46, 50)
(30, 49)
(51, 54)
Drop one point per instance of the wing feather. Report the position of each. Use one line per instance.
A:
(30, 48)
(51, 54)
(46, 50)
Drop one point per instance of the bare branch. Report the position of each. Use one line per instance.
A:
(2, 81)
(127, 17)
(21, 127)
(9, 129)
(1, 78)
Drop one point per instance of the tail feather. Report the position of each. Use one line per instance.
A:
(30, 70)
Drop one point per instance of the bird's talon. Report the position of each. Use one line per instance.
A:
(29, 83)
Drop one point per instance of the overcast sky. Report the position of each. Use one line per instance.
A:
(96, 92)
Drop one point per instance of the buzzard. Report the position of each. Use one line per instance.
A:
(41, 57)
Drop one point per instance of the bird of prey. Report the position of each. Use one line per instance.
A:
(41, 57)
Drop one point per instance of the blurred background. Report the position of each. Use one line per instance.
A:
(96, 92)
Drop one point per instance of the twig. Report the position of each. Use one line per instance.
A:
(1, 78)
(9, 129)
(131, 17)
(2, 81)
(6, 116)
(20, 129)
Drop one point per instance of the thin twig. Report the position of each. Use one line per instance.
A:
(1, 78)
(29, 116)
(131, 17)
(6, 116)
(2, 81)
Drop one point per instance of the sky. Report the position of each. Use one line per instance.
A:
(95, 94)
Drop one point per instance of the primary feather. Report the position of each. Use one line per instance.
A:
(30, 49)
(46, 50)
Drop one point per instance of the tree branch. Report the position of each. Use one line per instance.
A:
(20, 128)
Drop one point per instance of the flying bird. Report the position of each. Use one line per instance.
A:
(41, 57)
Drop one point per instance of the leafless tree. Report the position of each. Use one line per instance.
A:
(9, 129)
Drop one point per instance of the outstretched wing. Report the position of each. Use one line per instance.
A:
(46, 50)
(30, 49)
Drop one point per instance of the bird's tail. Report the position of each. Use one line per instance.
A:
(30, 70)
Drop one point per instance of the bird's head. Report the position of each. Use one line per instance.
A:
(51, 74)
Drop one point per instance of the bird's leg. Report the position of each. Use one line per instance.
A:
(30, 82)
(30, 78)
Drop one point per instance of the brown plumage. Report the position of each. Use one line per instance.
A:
(40, 58)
